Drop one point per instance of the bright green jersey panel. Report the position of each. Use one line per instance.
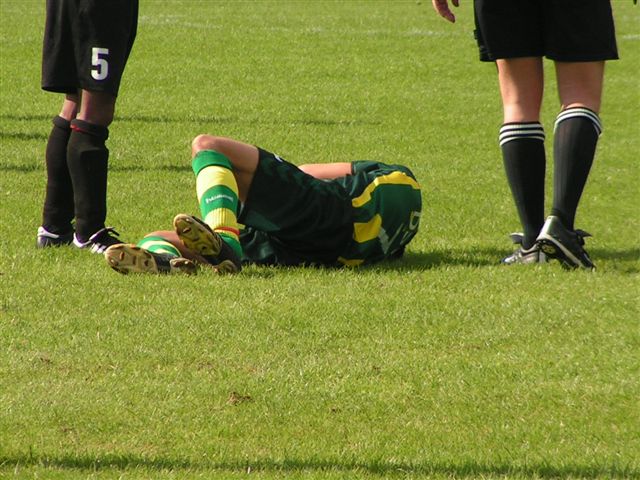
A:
(387, 203)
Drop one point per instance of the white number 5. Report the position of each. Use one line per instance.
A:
(102, 66)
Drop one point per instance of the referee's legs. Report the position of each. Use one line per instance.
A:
(522, 139)
(576, 133)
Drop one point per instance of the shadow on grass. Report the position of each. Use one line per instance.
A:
(130, 118)
(438, 258)
(39, 166)
(27, 117)
(164, 119)
(630, 255)
(445, 257)
(185, 167)
(467, 469)
(24, 136)
(626, 261)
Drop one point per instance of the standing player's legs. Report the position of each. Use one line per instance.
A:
(522, 140)
(58, 209)
(58, 75)
(87, 159)
(77, 162)
(107, 30)
(576, 134)
(579, 40)
(508, 33)
(86, 47)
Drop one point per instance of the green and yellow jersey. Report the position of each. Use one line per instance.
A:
(386, 203)
(293, 218)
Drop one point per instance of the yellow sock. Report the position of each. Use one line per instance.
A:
(217, 192)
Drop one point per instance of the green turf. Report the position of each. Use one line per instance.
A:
(441, 365)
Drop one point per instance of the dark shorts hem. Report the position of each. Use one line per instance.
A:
(568, 57)
(556, 57)
(72, 90)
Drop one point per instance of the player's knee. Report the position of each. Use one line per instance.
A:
(97, 108)
(205, 142)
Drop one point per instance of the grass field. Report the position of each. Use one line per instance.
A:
(441, 365)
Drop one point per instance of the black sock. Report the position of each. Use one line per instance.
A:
(87, 158)
(574, 146)
(58, 211)
(524, 158)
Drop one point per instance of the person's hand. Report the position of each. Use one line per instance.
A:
(442, 7)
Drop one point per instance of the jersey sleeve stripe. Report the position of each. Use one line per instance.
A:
(395, 178)
(363, 232)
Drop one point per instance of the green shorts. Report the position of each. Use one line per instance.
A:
(292, 218)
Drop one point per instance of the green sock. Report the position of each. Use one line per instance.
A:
(158, 245)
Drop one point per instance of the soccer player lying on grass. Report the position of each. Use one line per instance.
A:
(319, 214)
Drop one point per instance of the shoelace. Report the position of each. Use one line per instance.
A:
(581, 234)
(518, 237)
(109, 232)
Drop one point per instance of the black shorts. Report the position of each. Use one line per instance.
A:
(292, 218)
(87, 44)
(561, 30)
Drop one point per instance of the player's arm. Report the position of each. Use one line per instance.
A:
(442, 7)
(327, 171)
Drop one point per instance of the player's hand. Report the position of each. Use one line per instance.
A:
(442, 7)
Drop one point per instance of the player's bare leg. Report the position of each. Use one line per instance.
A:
(243, 158)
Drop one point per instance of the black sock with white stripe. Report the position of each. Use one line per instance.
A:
(523, 153)
(574, 146)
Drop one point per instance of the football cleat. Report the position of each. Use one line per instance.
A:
(128, 258)
(227, 266)
(46, 239)
(99, 241)
(200, 238)
(565, 245)
(524, 255)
